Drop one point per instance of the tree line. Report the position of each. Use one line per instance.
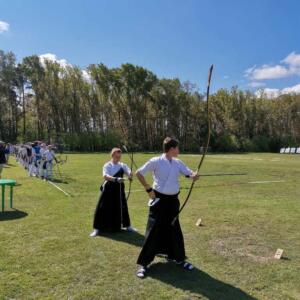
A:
(101, 107)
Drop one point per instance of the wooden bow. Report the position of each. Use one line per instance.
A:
(205, 148)
(131, 165)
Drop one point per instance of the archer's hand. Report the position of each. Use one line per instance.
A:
(151, 195)
(130, 177)
(120, 180)
(195, 176)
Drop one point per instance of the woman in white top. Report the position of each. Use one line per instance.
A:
(112, 211)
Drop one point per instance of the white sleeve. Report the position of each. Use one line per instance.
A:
(149, 166)
(184, 169)
(126, 169)
(105, 170)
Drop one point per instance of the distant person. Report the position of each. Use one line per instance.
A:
(32, 167)
(2, 156)
(11, 149)
(28, 160)
(17, 149)
(42, 169)
(23, 155)
(49, 156)
(7, 152)
(161, 236)
(36, 159)
(112, 211)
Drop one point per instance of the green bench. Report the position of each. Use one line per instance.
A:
(7, 182)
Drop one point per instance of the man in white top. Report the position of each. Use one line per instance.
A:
(161, 236)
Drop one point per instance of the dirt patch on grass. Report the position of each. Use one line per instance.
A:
(243, 247)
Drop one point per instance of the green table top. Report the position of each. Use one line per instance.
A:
(7, 182)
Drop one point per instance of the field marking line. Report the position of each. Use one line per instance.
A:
(266, 181)
(137, 190)
(60, 189)
(237, 158)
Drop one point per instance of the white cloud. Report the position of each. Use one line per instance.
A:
(86, 76)
(3, 26)
(256, 84)
(289, 66)
(291, 90)
(267, 92)
(225, 76)
(248, 72)
(267, 72)
(273, 93)
(293, 59)
(53, 58)
(63, 63)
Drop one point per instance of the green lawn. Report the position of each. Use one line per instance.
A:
(46, 251)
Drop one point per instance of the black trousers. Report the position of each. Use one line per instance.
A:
(161, 236)
(111, 213)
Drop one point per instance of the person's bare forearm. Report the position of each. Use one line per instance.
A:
(146, 185)
(142, 180)
(109, 178)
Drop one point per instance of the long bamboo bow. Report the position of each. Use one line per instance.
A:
(131, 166)
(206, 144)
(132, 162)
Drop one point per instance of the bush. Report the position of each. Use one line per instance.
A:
(227, 143)
(90, 141)
(246, 145)
(261, 144)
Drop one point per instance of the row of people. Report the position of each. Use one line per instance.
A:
(37, 158)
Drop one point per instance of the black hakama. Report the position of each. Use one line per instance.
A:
(112, 211)
(161, 236)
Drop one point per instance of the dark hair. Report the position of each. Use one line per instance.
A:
(169, 143)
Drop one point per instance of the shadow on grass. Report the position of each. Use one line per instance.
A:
(57, 180)
(196, 282)
(12, 215)
(63, 179)
(132, 238)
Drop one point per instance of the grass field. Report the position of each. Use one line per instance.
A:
(46, 251)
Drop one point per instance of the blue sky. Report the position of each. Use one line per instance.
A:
(253, 44)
